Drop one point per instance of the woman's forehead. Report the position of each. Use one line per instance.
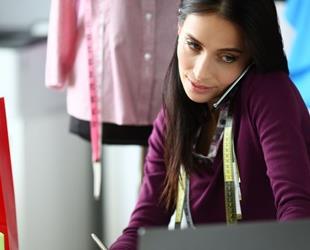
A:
(212, 28)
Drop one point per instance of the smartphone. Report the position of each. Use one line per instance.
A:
(231, 87)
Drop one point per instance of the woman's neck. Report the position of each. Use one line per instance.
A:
(207, 131)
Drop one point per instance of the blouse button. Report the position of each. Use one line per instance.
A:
(147, 56)
(148, 16)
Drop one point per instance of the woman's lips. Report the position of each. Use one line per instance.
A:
(200, 88)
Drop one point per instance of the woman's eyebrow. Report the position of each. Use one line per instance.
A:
(194, 39)
(240, 51)
(237, 50)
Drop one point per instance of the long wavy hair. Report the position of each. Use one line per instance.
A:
(259, 23)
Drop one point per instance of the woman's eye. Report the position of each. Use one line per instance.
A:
(228, 58)
(193, 45)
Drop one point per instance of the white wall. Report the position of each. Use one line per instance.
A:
(121, 181)
(22, 13)
(51, 168)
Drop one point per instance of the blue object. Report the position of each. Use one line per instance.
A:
(298, 15)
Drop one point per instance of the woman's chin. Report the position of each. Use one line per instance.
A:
(198, 99)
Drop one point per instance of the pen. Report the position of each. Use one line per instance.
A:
(98, 241)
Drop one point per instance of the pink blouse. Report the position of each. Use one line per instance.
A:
(133, 54)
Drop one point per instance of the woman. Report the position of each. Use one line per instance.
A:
(219, 41)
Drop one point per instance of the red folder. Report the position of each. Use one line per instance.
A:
(8, 224)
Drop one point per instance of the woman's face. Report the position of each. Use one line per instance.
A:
(211, 54)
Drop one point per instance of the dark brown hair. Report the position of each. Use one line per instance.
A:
(258, 21)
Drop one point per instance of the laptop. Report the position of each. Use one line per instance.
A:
(293, 235)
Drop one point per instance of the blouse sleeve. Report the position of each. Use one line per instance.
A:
(61, 42)
(283, 127)
(149, 211)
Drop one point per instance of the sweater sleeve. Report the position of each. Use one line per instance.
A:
(148, 212)
(283, 128)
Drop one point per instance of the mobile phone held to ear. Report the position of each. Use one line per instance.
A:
(232, 86)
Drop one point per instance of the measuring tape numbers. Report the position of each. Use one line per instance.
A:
(231, 176)
(95, 102)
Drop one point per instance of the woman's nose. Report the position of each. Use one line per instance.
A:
(202, 68)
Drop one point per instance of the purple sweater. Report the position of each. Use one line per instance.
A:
(272, 139)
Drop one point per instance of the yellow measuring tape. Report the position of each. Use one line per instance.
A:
(231, 181)
(231, 176)
(181, 198)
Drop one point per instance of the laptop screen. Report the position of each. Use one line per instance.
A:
(292, 235)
